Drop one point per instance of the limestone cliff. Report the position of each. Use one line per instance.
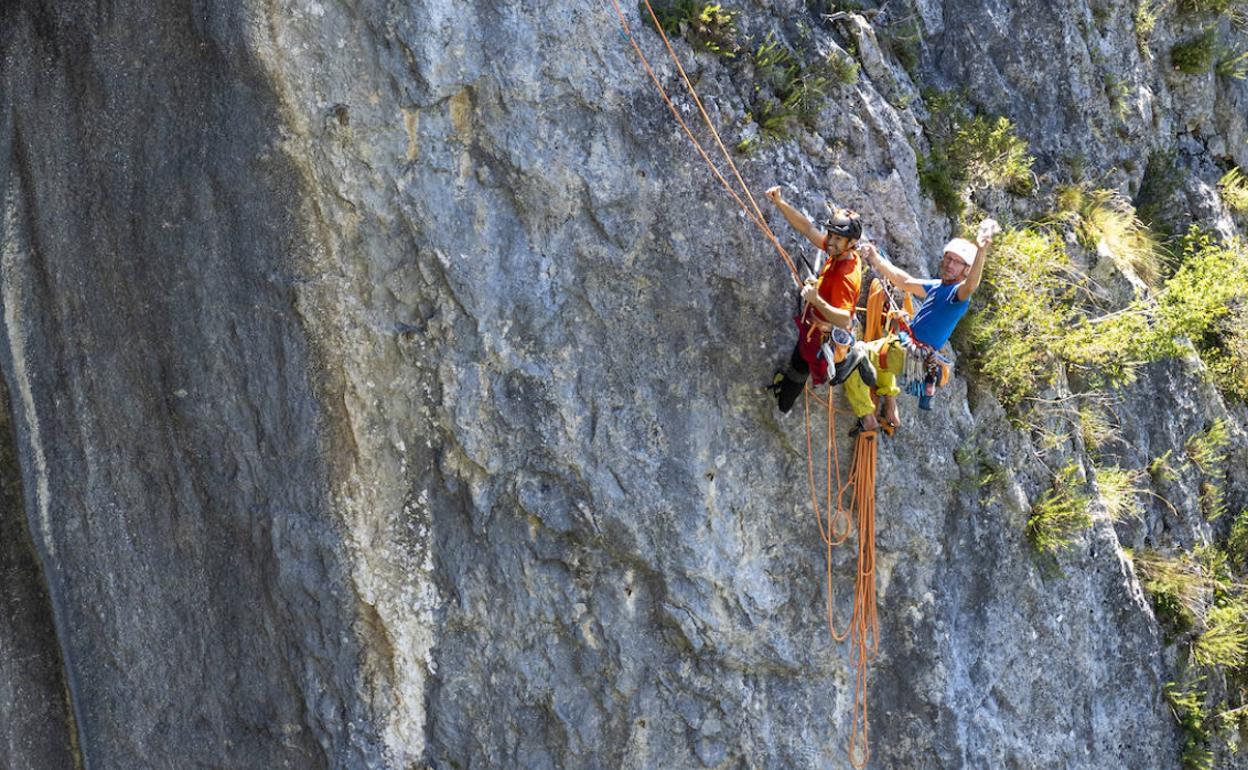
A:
(383, 386)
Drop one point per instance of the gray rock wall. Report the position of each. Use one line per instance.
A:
(385, 390)
(174, 462)
(38, 727)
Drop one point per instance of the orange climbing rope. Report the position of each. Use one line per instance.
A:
(875, 311)
(864, 629)
(832, 518)
(752, 212)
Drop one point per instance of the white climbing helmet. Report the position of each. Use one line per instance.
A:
(962, 249)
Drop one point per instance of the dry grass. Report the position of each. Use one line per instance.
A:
(1106, 222)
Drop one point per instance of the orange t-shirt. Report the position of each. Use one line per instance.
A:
(840, 282)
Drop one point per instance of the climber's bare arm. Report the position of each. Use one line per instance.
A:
(983, 240)
(799, 221)
(893, 274)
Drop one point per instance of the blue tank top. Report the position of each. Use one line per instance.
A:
(939, 314)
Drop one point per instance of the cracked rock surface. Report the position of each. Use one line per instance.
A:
(383, 387)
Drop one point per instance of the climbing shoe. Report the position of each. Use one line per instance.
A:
(855, 358)
(785, 391)
(858, 354)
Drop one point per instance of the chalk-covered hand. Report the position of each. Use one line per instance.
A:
(987, 229)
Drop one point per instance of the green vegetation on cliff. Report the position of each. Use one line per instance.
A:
(1040, 312)
(970, 151)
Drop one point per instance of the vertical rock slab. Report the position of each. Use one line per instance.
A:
(37, 729)
(552, 327)
(384, 380)
(170, 437)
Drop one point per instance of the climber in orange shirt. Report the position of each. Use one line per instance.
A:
(828, 303)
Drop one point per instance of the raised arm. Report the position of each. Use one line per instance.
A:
(797, 219)
(893, 274)
(983, 240)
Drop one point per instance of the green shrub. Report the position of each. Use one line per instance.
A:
(707, 26)
(994, 155)
(1162, 470)
(807, 95)
(1224, 642)
(1032, 313)
(1207, 302)
(1207, 286)
(1212, 499)
(1198, 596)
(1228, 359)
(971, 151)
(1237, 540)
(1232, 64)
(1188, 705)
(942, 181)
(1195, 590)
(1120, 492)
(1105, 217)
(1069, 199)
(1201, 303)
(1110, 348)
(842, 68)
(1207, 449)
(1217, 566)
(1145, 19)
(1181, 587)
(789, 94)
(1233, 186)
(1195, 55)
(1117, 93)
(1095, 428)
(903, 42)
(1210, 6)
(977, 469)
(774, 120)
(1060, 514)
(775, 64)
(1023, 306)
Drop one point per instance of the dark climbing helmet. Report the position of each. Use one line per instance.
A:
(844, 223)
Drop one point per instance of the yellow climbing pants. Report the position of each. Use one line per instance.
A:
(887, 373)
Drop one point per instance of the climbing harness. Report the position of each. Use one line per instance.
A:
(926, 369)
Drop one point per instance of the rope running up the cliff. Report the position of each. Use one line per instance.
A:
(863, 629)
(752, 211)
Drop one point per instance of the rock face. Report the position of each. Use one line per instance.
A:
(175, 471)
(38, 727)
(383, 387)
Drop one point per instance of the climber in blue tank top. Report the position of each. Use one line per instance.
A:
(941, 309)
(945, 301)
